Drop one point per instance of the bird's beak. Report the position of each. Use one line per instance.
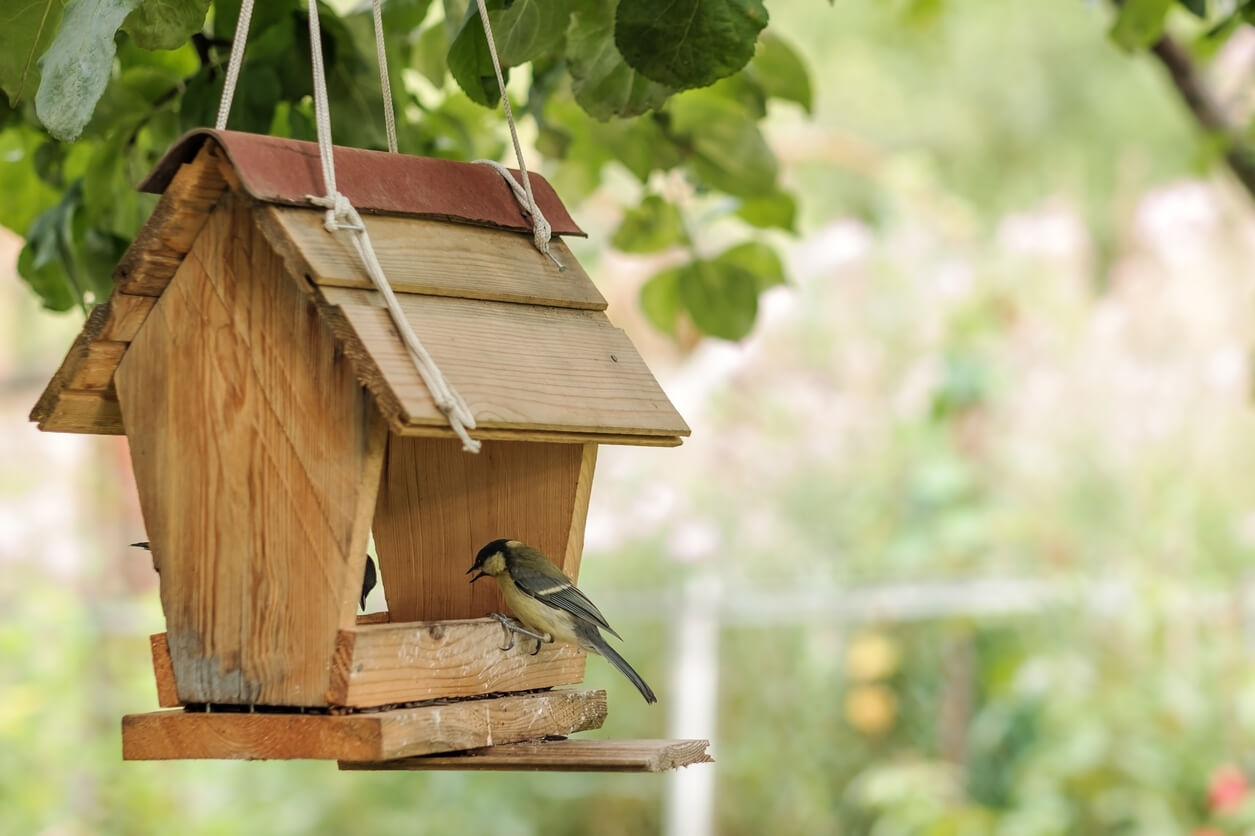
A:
(477, 577)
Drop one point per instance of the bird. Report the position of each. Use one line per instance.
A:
(369, 577)
(548, 605)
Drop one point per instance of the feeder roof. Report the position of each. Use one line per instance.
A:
(529, 348)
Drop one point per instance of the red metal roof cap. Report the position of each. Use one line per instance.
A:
(285, 171)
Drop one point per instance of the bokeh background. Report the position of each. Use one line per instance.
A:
(961, 543)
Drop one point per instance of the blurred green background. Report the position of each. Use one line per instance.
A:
(960, 544)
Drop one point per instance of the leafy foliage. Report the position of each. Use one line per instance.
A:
(99, 124)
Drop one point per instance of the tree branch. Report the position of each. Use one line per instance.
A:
(1207, 111)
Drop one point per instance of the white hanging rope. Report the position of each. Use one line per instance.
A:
(541, 231)
(342, 217)
(381, 54)
(233, 66)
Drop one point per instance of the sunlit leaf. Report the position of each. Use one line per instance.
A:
(26, 30)
(603, 83)
(165, 24)
(77, 64)
(652, 226)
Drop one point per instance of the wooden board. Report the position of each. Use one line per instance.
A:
(163, 671)
(382, 735)
(256, 455)
(158, 250)
(434, 257)
(516, 366)
(576, 755)
(386, 664)
(438, 506)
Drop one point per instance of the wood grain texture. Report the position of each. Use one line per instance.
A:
(159, 248)
(442, 259)
(256, 455)
(387, 664)
(75, 411)
(163, 671)
(516, 366)
(384, 735)
(575, 755)
(438, 506)
(126, 314)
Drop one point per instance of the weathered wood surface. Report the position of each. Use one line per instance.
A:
(522, 367)
(435, 257)
(386, 664)
(81, 397)
(257, 457)
(438, 506)
(576, 755)
(373, 736)
(157, 251)
(163, 671)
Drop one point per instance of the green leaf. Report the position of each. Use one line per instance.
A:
(603, 83)
(640, 144)
(757, 259)
(404, 15)
(777, 210)
(25, 194)
(781, 72)
(1140, 23)
(660, 300)
(729, 152)
(26, 29)
(652, 226)
(165, 24)
(528, 29)
(721, 297)
(77, 65)
(429, 53)
(688, 43)
(46, 256)
(1198, 8)
(469, 60)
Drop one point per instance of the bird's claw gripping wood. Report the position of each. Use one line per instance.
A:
(511, 627)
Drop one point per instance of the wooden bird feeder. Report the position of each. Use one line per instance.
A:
(275, 420)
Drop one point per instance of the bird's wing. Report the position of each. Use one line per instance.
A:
(560, 593)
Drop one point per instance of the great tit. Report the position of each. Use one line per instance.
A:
(369, 577)
(545, 601)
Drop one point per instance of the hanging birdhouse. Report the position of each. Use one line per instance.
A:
(275, 419)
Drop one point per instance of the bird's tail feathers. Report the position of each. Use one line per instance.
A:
(602, 647)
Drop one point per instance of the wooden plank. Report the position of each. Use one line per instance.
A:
(88, 370)
(163, 671)
(383, 735)
(579, 512)
(158, 250)
(94, 372)
(387, 664)
(501, 434)
(74, 411)
(516, 366)
(438, 506)
(439, 258)
(256, 455)
(127, 313)
(559, 756)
